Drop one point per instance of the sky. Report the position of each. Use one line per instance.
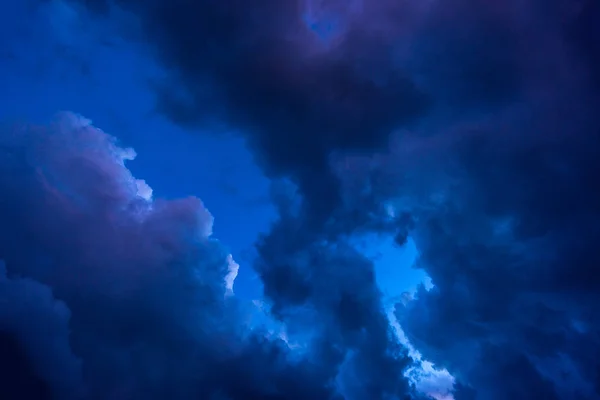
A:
(303, 199)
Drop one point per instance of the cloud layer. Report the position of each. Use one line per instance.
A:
(469, 126)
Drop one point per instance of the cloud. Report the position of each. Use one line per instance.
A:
(133, 272)
(29, 308)
(132, 297)
(272, 79)
(509, 240)
(510, 250)
(476, 123)
(268, 77)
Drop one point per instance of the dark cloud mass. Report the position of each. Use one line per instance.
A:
(471, 126)
(114, 296)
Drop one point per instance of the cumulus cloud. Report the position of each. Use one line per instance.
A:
(74, 220)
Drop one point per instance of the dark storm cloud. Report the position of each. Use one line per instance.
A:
(513, 255)
(510, 242)
(364, 70)
(512, 252)
(110, 295)
(494, 174)
(257, 68)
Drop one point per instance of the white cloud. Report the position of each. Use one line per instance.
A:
(436, 383)
(233, 269)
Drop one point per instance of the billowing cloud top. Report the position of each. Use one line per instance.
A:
(468, 125)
